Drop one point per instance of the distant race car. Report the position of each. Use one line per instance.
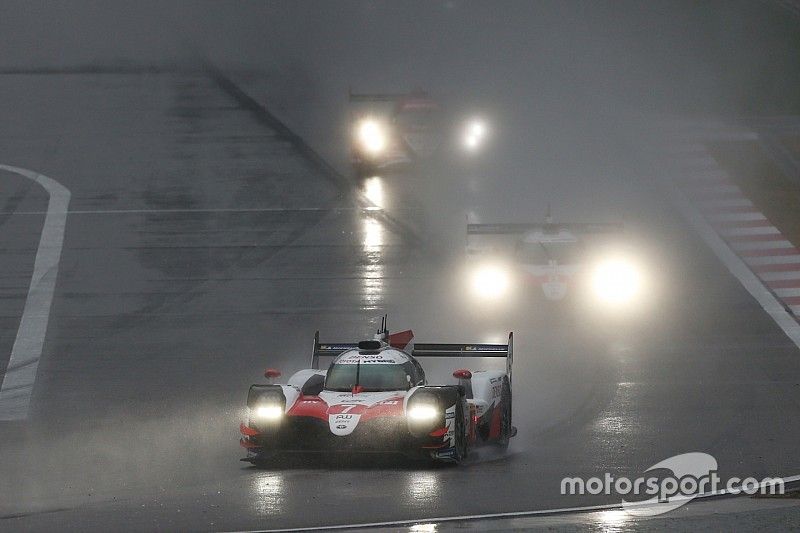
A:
(374, 397)
(391, 130)
(554, 256)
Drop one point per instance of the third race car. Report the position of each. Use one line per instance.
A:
(395, 130)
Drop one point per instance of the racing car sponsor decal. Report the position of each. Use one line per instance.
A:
(335, 347)
(385, 356)
(497, 387)
(344, 410)
(449, 423)
(343, 423)
(309, 406)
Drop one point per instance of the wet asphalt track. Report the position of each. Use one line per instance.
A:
(202, 247)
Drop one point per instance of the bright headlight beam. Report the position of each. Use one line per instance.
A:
(471, 142)
(616, 281)
(476, 128)
(371, 135)
(268, 412)
(423, 412)
(474, 133)
(490, 281)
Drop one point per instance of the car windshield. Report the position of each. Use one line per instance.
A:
(543, 252)
(371, 376)
(421, 117)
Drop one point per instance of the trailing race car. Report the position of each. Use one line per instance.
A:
(391, 130)
(374, 397)
(553, 256)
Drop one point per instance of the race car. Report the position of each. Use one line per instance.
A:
(395, 130)
(374, 397)
(553, 256)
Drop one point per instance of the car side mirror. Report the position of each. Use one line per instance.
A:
(462, 373)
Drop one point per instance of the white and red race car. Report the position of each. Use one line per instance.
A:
(556, 257)
(395, 130)
(374, 396)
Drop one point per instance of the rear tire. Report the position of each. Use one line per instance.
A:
(460, 445)
(505, 416)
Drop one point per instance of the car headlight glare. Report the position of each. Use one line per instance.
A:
(616, 281)
(371, 136)
(423, 413)
(490, 281)
(474, 134)
(268, 412)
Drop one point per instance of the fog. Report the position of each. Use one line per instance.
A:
(571, 90)
(714, 56)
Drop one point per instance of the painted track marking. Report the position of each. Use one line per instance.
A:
(733, 492)
(194, 210)
(752, 249)
(20, 376)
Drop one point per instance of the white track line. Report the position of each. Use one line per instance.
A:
(189, 210)
(737, 217)
(20, 376)
(788, 291)
(722, 203)
(758, 230)
(761, 245)
(780, 276)
(772, 260)
(523, 514)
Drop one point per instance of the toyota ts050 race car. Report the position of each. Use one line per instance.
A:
(391, 130)
(557, 257)
(374, 396)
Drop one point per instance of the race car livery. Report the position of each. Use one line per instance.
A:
(395, 130)
(374, 397)
(553, 256)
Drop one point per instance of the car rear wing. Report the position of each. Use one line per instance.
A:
(375, 97)
(469, 350)
(517, 229)
(331, 349)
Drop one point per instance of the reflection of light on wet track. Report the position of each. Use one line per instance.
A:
(373, 234)
(373, 190)
(423, 528)
(613, 521)
(269, 494)
(373, 273)
(424, 488)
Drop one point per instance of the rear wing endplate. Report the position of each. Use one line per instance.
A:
(469, 350)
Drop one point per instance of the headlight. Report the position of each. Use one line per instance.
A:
(268, 412)
(616, 281)
(371, 136)
(474, 134)
(423, 413)
(490, 281)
